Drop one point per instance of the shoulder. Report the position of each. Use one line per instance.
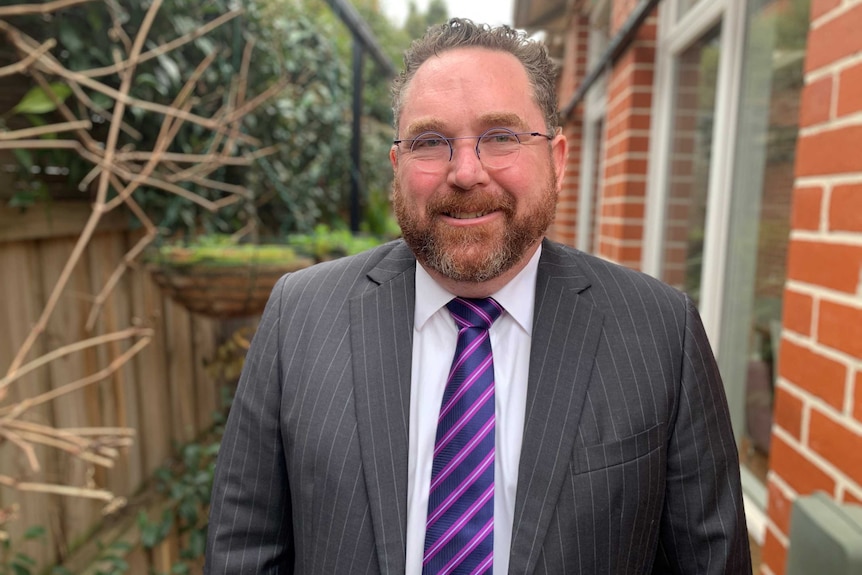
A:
(346, 276)
(616, 289)
(608, 275)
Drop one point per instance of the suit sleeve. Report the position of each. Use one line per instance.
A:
(250, 529)
(703, 522)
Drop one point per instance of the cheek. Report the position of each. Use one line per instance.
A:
(417, 187)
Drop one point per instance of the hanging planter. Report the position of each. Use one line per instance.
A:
(222, 280)
(218, 277)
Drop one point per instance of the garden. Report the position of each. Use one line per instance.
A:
(161, 165)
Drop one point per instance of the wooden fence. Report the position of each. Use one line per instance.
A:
(165, 392)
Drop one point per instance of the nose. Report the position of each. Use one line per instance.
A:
(465, 169)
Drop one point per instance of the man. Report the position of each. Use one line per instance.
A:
(576, 424)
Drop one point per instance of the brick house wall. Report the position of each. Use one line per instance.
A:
(816, 439)
(621, 190)
(817, 434)
(572, 73)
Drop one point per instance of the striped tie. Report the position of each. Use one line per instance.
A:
(459, 530)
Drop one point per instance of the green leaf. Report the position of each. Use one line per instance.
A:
(34, 532)
(102, 100)
(197, 543)
(25, 158)
(69, 37)
(36, 101)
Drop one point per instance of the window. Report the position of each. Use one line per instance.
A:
(696, 72)
(729, 76)
(759, 222)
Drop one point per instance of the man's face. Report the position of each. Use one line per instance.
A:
(465, 220)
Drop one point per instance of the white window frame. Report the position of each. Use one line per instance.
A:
(674, 36)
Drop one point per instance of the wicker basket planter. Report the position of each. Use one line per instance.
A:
(224, 282)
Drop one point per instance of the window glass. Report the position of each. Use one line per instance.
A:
(694, 94)
(759, 226)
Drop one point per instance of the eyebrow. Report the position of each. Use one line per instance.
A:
(423, 125)
(490, 120)
(502, 120)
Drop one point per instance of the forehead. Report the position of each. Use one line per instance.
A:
(462, 89)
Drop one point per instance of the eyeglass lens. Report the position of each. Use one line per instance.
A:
(497, 148)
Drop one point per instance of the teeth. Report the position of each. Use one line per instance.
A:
(469, 215)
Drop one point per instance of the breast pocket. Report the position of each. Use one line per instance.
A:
(604, 455)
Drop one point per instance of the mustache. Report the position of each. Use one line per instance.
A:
(471, 202)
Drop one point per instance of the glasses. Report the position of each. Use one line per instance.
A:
(495, 148)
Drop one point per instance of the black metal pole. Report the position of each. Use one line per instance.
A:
(356, 143)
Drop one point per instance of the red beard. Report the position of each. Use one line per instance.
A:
(474, 253)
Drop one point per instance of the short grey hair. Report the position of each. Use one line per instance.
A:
(464, 33)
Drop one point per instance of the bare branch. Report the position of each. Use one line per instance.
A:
(164, 48)
(18, 372)
(100, 494)
(83, 382)
(22, 65)
(45, 130)
(46, 8)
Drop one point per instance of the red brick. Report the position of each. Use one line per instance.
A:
(779, 507)
(802, 475)
(857, 399)
(622, 231)
(797, 312)
(639, 144)
(807, 204)
(834, 266)
(631, 120)
(830, 152)
(814, 373)
(836, 443)
(821, 7)
(845, 207)
(617, 209)
(840, 327)
(834, 40)
(850, 91)
(788, 412)
(619, 253)
(816, 102)
(774, 554)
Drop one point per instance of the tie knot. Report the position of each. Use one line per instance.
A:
(479, 313)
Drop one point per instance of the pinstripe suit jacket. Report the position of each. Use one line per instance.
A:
(628, 462)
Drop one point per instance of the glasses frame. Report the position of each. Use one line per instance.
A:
(478, 139)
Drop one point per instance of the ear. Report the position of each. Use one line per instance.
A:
(559, 154)
(393, 157)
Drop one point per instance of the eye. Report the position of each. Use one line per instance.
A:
(428, 141)
(499, 136)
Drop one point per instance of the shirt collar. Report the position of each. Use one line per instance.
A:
(517, 297)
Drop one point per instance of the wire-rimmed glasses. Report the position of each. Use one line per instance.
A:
(496, 148)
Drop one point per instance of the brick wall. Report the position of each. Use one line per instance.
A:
(623, 185)
(817, 435)
(619, 196)
(574, 68)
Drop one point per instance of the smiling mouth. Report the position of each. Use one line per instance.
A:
(467, 215)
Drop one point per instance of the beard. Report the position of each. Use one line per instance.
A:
(476, 253)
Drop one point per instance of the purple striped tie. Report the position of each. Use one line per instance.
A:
(459, 530)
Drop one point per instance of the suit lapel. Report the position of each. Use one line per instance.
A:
(566, 332)
(381, 332)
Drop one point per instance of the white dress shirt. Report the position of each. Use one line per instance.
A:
(434, 339)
